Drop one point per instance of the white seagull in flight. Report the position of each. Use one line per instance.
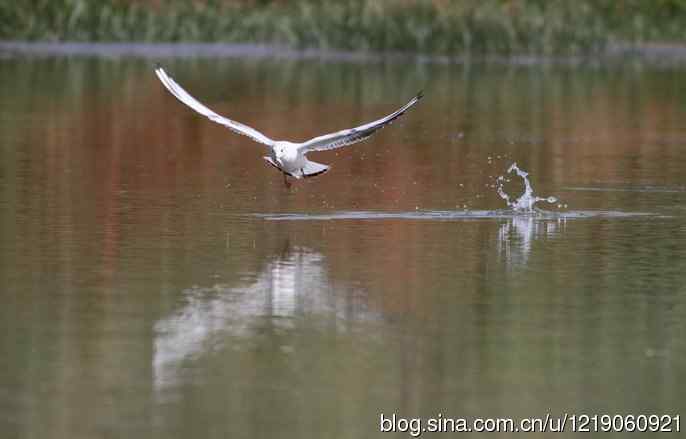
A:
(288, 157)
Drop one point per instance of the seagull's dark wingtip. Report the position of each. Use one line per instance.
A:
(420, 95)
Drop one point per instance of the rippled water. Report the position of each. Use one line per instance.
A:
(160, 281)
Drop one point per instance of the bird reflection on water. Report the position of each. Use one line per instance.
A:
(292, 285)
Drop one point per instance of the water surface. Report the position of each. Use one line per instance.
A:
(148, 290)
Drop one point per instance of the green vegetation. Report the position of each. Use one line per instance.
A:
(433, 26)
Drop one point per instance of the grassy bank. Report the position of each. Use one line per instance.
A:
(434, 26)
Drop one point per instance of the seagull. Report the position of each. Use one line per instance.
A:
(288, 157)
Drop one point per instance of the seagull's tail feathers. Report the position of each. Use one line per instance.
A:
(312, 169)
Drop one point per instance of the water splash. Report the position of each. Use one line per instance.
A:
(527, 201)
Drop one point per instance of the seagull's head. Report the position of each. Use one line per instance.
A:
(284, 151)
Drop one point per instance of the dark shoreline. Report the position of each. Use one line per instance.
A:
(661, 53)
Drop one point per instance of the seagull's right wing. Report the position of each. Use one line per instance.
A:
(354, 135)
(189, 100)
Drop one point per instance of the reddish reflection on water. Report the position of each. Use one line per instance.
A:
(144, 297)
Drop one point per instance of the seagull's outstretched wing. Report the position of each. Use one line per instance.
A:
(354, 135)
(189, 100)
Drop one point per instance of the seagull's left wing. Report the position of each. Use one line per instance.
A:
(354, 135)
(189, 100)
